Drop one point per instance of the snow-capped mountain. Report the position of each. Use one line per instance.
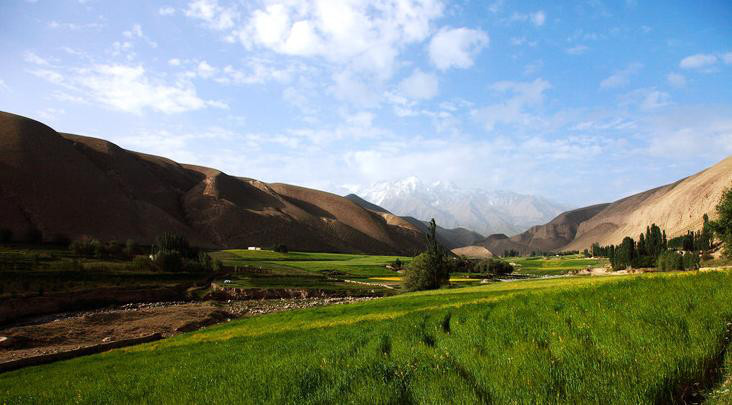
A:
(482, 211)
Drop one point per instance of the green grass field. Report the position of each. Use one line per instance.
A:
(349, 265)
(322, 271)
(615, 339)
(552, 266)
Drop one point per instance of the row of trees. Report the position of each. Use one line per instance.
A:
(679, 253)
(651, 250)
(169, 253)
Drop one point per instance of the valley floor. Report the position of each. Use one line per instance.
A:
(557, 340)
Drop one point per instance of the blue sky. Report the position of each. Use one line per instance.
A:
(581, 102)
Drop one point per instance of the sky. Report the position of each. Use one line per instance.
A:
(580, 102)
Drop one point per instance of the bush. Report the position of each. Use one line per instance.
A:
(672, 260)
(280, 248)
(169, 261)
(142, 263)
(493, 266)
(82, 247)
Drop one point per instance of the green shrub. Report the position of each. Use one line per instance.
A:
(142, 263)
(280, 248)
(169, 261)
(493, 266)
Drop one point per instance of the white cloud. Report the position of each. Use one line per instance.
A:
(537, 18)
(256, 71)
(3, 85)
(698, 61)
(51, 113)
(31, 57)
(456, 47)
(134, 32)
(48, 75)
(646, 99)
(577, 50)
(214, 15)
(419, 85)
(727, 58)
(686, 132)
(205, 70)
(354, 89)
(513, 110)
(621, 77)
(129, 88)
(174, 62)
(676, 80)
(167, 10)
(362, 35)
(75, 26)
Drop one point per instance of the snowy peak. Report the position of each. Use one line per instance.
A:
(452, 206)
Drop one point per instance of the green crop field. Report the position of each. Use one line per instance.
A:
(302, 270)
(615, 339)
(540, 266)
(359, 266)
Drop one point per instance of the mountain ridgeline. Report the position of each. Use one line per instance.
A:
(678, 208)
(62, 185)
(56, 185)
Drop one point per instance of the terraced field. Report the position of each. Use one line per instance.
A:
(620, 339)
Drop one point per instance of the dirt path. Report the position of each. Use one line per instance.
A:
(73, 330)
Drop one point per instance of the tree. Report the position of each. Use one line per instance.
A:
(430, 269)
(723, 225)
(493, 266)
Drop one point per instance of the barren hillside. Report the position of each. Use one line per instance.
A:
(677, 208)
(76, 186)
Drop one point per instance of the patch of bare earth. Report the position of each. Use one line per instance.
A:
(74, 330)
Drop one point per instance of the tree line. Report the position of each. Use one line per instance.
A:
(654, 249)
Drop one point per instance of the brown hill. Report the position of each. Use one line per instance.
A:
(80, 186)
(559, 232)
(473, 252)
(676, 208)
(449, 238)
(499, 243)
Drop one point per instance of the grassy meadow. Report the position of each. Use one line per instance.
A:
(350, 265)
(304, 270)
(553, 266)
(614, 339)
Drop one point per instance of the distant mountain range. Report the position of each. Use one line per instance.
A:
(481, 211)
(450, 238)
